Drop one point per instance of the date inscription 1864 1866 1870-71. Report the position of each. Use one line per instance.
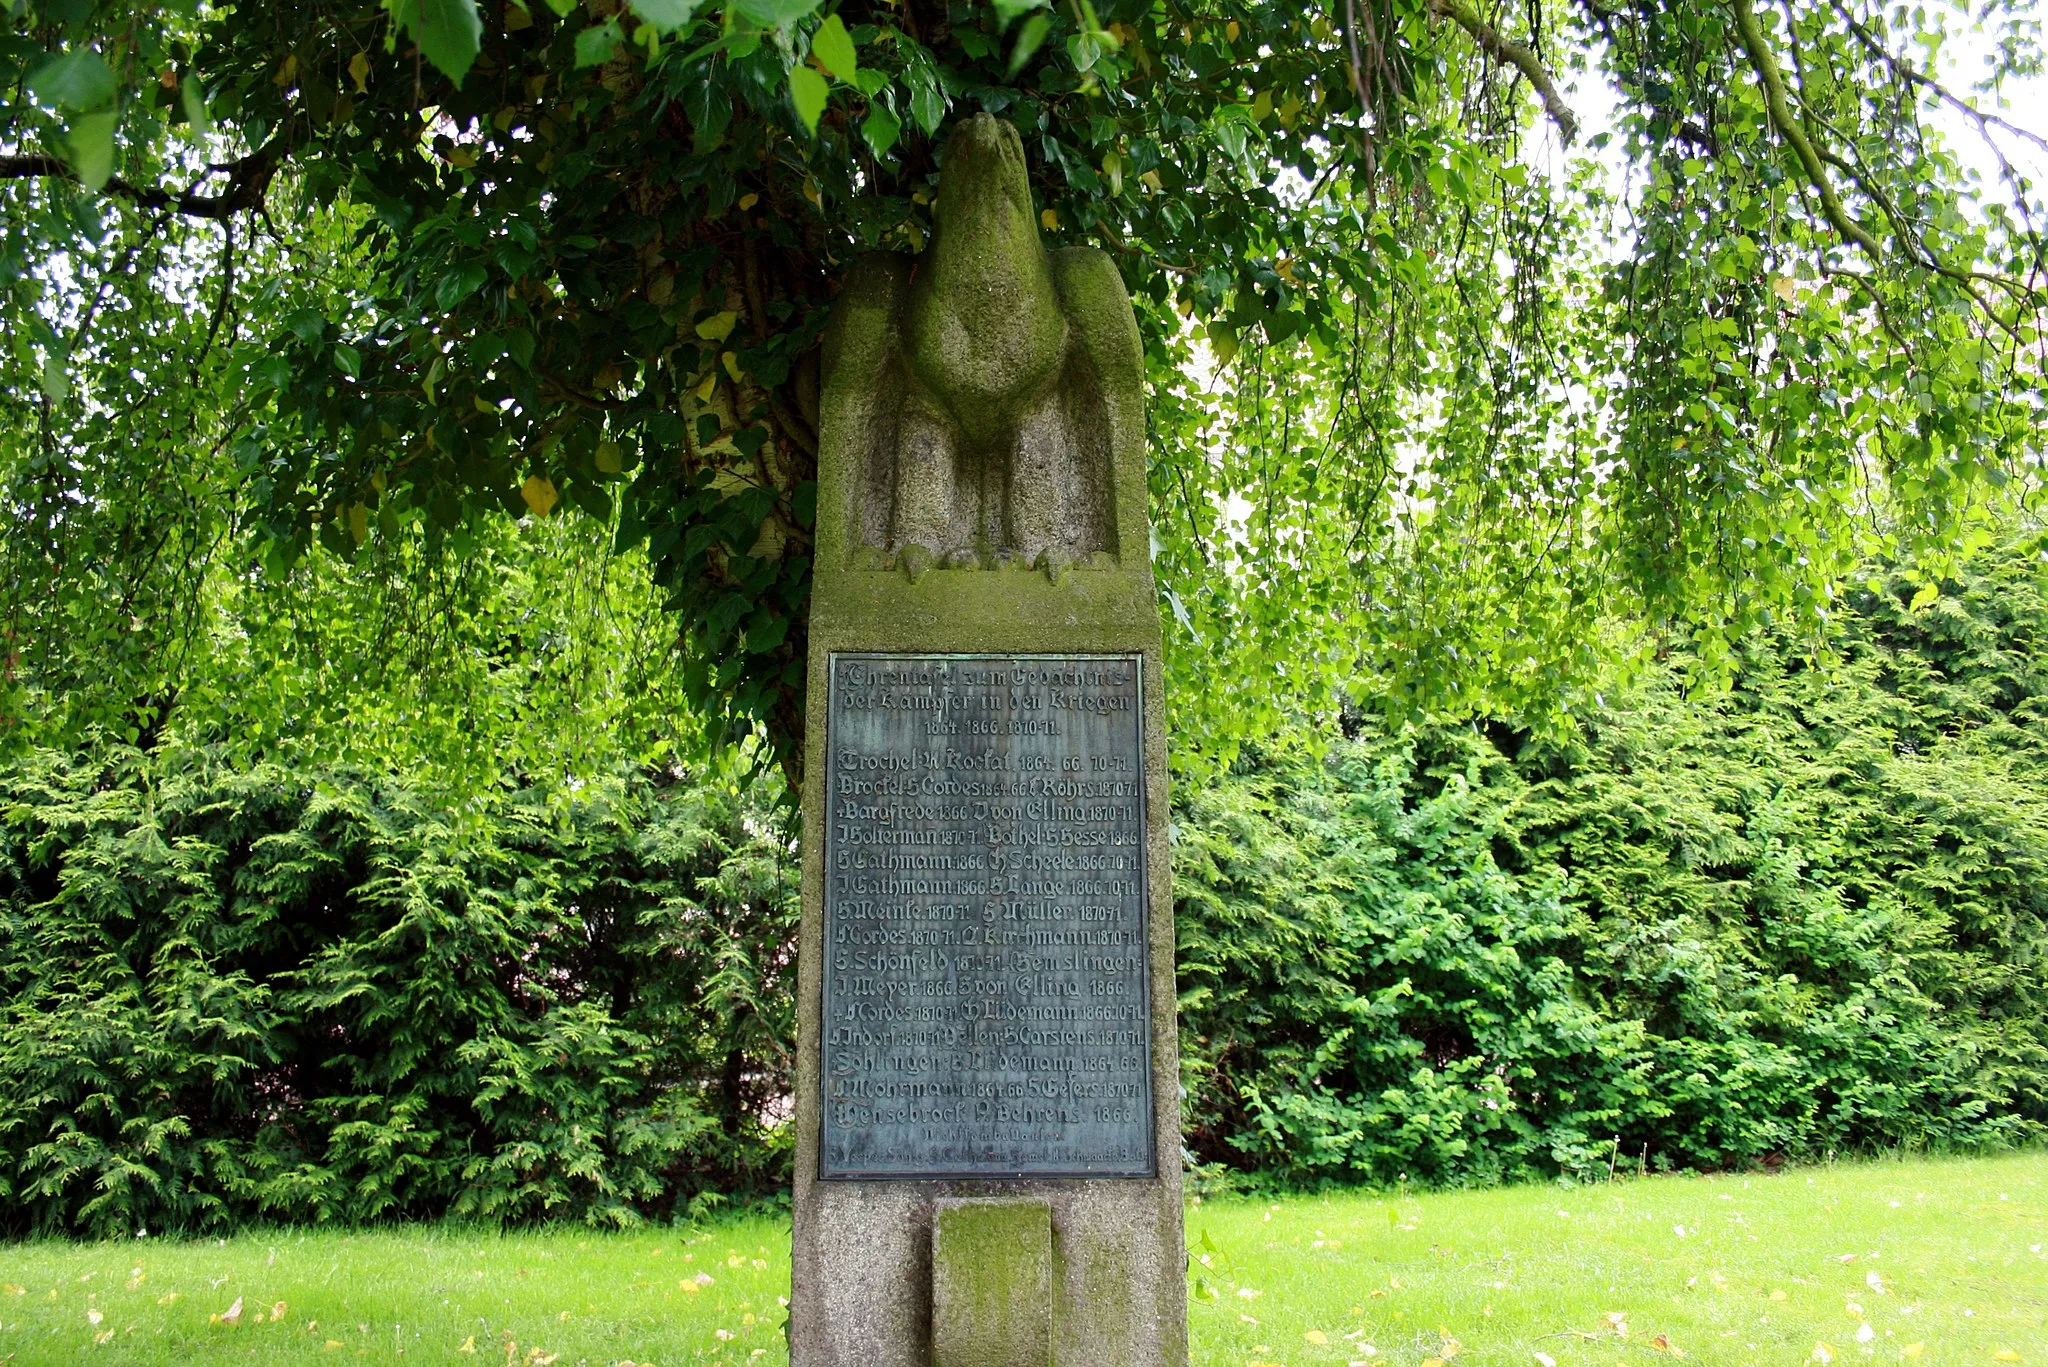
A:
(986, 985)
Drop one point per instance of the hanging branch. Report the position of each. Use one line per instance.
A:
(1751, 35)
(1504, 49)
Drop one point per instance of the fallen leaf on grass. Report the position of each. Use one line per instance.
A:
(168, 1298)
(103, 1338)
(93, 1317)
(231, 1316)
(277, 1311)
(2006, 1355)
(1912, 1351)
(1823, 1354)
(689, 1286)
(331, 1345)
(1544, 1360)
(468, 1345)
(1778, 1295)
(1316, 1336)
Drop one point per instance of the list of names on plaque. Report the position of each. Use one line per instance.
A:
(986, 1008)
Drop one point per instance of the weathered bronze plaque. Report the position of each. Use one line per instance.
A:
(986, 1009)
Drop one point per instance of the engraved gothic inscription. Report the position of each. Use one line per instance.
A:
(985, 1008)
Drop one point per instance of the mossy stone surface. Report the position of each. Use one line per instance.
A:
(992, 1284)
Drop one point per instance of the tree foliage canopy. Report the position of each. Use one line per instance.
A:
(1427, 402)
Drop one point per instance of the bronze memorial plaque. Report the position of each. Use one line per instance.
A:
(986, 1010)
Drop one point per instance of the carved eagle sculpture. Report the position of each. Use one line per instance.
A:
(993, 379)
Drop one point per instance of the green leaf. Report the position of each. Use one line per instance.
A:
(666, 16)
(881, 129)
(1007, 11)
(808, 90)
(833, 46)
(348, 361)
(595, 45)
(1087, 48)
(56, 381)
(449, 32)
(562, 8)
(458, 284)
(195, 106)
(76, 80)
(91, 140)
(1029, 39)
(927, 102)
(776, 13)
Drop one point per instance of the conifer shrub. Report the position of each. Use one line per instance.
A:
(1710, 927)
(1715, 927)
(233, 994)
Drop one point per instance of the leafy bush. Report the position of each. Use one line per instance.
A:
(1809, 913)
(231, 993)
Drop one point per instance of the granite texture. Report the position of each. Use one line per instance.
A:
(863, 1288)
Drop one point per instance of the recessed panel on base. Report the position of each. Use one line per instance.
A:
(986, 978)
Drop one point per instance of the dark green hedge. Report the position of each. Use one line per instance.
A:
(231, 995)
(1807, 914)
(1810, 913)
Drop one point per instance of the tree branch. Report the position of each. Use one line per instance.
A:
(1504, 49)
(1751, 36)
(1907, 72)
(248, 180)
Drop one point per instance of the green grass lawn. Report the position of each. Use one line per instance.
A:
(1923, 1262)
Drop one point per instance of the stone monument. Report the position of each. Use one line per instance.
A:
(987, 1099)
